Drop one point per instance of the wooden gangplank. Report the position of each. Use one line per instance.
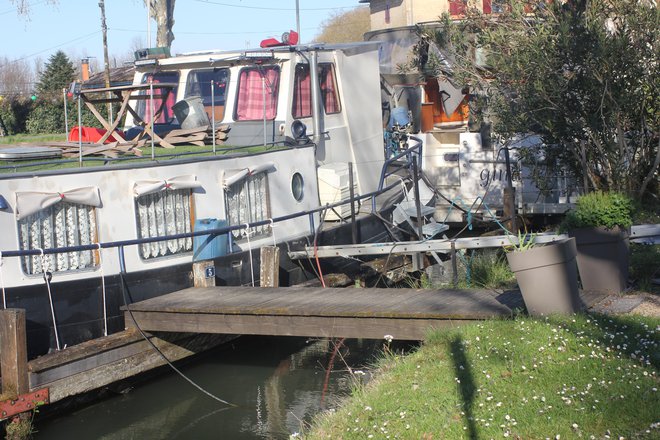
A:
(406, 314)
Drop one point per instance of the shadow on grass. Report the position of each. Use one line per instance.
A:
(628, 334)
(466, 385)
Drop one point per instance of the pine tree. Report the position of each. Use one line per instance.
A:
(47, 113)
(58, 74)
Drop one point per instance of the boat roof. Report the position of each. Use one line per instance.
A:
(281, 52)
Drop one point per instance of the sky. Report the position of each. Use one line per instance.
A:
(74, 26)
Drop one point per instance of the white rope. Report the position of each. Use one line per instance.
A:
(247, 233)
(105, 309)
(272, 231)
(44, 266)
(2, 284)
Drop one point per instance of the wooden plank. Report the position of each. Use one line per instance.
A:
(186, 131)
(185, 139)
(107, 371)
(83, 350)
(313, 326)
(13, 356)
(269, 274)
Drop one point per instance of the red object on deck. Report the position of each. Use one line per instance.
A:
(91, 135)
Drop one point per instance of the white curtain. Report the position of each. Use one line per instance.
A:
(144, 187)
(31, 202)
(230, 177)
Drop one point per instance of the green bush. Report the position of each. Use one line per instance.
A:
(46, 118)
(606, 209)
(13, 113)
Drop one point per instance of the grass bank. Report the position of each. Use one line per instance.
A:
(560, 377)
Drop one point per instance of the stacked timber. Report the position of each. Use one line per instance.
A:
(200, 136)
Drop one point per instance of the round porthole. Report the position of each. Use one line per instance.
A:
(297, 183)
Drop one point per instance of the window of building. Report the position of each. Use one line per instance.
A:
(200, 83)
(258, 88)
(58, 220)
(457, 7)
(144, 107)
(165, 207)
(302, 94)
(248, 202)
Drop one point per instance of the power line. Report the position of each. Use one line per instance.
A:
(55, 47)
(209, 33)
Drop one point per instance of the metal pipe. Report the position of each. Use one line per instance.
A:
(298, 19)
(418, 203)
(213, 113)
(66, 116)
(151, 122)
(80, 157)
(354, 231)
(316, 96)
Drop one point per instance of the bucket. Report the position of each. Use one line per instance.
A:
(190, 113)
(208, 247)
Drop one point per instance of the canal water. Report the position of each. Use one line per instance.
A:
(278, 384)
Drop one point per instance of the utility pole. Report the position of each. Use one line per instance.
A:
(106, 60)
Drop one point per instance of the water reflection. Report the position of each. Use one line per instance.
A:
(278, 384)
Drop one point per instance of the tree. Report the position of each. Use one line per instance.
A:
(163, 12)
(47, 116)
(23, 6)
(582, 74)
(345, 27)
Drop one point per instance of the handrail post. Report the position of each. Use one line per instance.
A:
(354, 230)
(13, 357)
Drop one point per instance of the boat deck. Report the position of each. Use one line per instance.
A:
(406, 314)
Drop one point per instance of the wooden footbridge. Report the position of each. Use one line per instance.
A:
(406, 314)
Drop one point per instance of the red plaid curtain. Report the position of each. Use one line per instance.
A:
(167, 115)
(302, 95)
(251, 84)
(329, 90)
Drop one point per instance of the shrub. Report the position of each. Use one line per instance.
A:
(46, 118)
(13, 113)
(606, 209)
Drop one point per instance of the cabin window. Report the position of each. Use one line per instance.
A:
(162, 213)
(302, 94)
(258, 88)
(200, 83)
(493, 6)
(248, 202)
(63, 224)
(144, 107)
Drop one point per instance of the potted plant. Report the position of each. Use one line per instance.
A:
(546, 274)
(600, 224)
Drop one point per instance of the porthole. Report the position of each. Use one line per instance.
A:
(297, 184)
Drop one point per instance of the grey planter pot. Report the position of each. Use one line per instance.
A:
(547, 277)
(603, 258)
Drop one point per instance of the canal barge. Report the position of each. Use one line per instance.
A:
(80, 241)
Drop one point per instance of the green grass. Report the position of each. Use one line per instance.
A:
(32, 138)
(179, 152)
(560, 377)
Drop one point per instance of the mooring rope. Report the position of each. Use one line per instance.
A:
(122, 272)
(247, 234)
(44, 267)
(2, 284)
(105, 308)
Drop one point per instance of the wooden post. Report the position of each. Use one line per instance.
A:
(204, 273)
(13, 358)
(270, 266)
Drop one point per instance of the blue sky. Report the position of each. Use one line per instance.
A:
(74, 26)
